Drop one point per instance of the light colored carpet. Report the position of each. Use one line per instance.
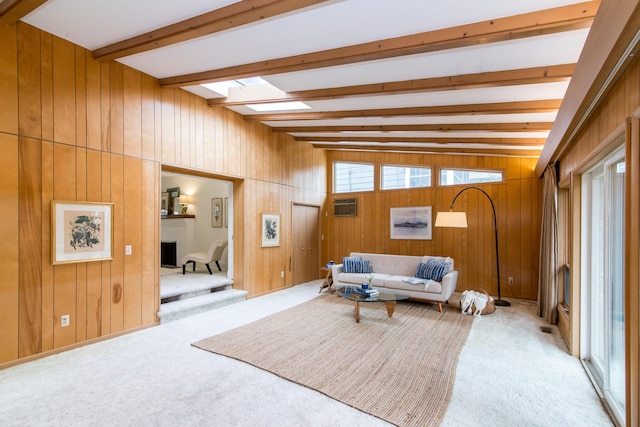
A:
(176, 283)
(509, 373)
(400, 369)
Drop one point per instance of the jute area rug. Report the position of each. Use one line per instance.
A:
(399, 369)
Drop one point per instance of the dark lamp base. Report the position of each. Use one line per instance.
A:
(502, 303)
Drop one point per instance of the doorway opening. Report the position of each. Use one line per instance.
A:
(196, 220)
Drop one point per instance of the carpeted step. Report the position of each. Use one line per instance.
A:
(187, 307)
(170, 295)
(178, 286)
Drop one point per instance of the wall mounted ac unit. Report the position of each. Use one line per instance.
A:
(345, 207)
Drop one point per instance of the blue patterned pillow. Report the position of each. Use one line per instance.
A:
(355, 265)
(431, 271)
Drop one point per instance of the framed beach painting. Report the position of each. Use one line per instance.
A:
(270, 228)
(81, 232)
(412, 223)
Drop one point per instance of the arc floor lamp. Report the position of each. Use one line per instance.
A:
(459, 220)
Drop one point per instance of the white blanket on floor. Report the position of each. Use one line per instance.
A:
(471, 300)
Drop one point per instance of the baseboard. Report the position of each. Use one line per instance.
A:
(48, 353)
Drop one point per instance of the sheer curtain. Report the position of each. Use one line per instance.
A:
(548, 270)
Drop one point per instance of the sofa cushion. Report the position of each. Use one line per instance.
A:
(356, 265)
(400, 283)
(395, 265)
(431, 271)
(359, 278)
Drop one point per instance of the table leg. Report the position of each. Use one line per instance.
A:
(357, 312)
(328, 281)
(391, 306)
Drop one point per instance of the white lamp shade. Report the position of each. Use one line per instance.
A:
(186, 200)
(451, 219)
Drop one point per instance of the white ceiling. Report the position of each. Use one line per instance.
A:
(327, 25)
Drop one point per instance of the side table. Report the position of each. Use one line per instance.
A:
(328, 280)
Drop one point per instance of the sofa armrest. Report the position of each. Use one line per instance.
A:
(449, 282)
(336, 269)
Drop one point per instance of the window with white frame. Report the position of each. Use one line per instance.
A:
(395, 177)
(602, 325)
(468, 176)
(352, 177)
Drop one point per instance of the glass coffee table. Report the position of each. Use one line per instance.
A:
(389, 298)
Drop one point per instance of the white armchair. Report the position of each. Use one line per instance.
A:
(213, 255)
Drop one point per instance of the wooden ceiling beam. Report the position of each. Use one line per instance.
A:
(438, 150)
(549, 21)
(548, 74)
(231, 16)
(519, 107)
(493, 127)
(387, 139)
(11, 11)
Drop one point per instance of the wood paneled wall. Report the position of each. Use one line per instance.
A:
(517, 203)
(72, 128)
(609, 119)
(616, 116)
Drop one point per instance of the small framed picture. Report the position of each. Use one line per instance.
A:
(270, 226)
(82, 232)
(216, 212)
(164, 204)
(174, 197)
(177, 208)
(226, 212)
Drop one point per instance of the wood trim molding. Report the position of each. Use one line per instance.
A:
(632, 276)
(232, 16)
(575, 237)
(435, 140)
(433, 150)
(199, 173)
(543, 106)
(549, 74)
(565, 18)
(11, 11)
(496, 127)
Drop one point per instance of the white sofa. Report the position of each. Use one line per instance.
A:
(392, 272)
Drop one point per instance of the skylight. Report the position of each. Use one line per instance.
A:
(279, 106)
(254, 89)
(223, 87)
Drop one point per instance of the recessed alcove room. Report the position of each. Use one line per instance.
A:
(222, 202)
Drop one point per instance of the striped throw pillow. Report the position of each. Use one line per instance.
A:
(431, 271)
(355, 265)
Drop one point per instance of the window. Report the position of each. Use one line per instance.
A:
(468, 176)
(602, 278)
(351, 177)
(394, 177)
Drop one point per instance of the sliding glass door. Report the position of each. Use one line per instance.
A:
(602, 330)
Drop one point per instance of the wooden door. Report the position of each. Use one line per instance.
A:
(306, 243)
